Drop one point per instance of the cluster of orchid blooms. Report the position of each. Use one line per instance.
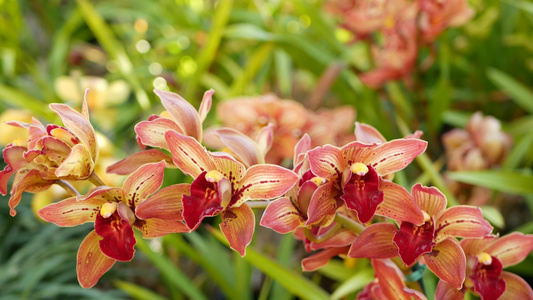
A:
(397, 29)
(339, 200)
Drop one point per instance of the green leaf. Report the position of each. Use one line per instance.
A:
(519, 152)
(493, 215)
(248, 31)
(169, 270)
(11, 96)
(293, 282)
(114, 49)
(354, 283)
(255, 62)
(137, 292)
(512, 182)
(518, 92)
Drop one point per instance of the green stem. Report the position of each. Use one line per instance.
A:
(94, 179)
(323, 237)
(68, 187)
(349, 223)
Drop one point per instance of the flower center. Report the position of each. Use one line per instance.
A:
(213, 176)
(359, 169)
(108, 209)
(484, 258)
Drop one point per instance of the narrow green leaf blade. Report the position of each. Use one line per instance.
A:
(518, 92)
(512, 182)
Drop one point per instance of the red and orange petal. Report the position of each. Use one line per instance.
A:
(375, 242)
(205, 105)
(131, 163)
(118, 240)
(266, 182)
(238, 226)
(152, 228)
(142, 183)
(79, 125)
(487, 281)
(429, 199)
(188, 155)
(182, 112)
(320, 259)
(516, 287)
(91, 262)
(413, 241)
(512, 248)
(398, 204)
(362, 194)
(461, 221)
(394, 155)
(323, 205)
(71, 212)
(326, 162)
(204, 201)
(13, 157)
(446, 291)
(152, 133)
(281, 216)
(367, 134)
(31, 182)
(246, 149)
(391, 281)
(447, 260)
(343, 237)
(164, 204)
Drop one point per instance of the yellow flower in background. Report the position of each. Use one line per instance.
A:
(11, 133)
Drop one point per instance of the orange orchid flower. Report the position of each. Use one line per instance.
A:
(223, 185)
(50, 153)
(115, 211)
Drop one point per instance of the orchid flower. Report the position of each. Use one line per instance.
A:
(223, 185)
(485, 260)
(50, 153)
(115, 211)
(388, 284)
(353, 173)
(436, 16)
(179, 116)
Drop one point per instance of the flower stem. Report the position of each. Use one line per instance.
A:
(258, 204)
(94, 179)
(323, 237)
(349, 223)
(68, 187)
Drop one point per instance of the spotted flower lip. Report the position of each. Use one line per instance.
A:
(227, 194)
(115, 212)
(50, 153)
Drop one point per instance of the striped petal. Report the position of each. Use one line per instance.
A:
(205, 106)
(79, 126)
(188, 155)
(78, 165)
(429, 199)
(448, 262)
(394, 155)
(183, 113)
(476, 246)
(375, 242)
(367, 134)
(91, 262)
(301, 148)
(71, 212)
(165, 204)
(31, 182)
(515, 287)
(142, 183)
(266, 182)
(326, 162)
(323, 205)
(446, 291)
(238, 227)
(152, 133)
(153, 228)
(512, 248)
(391, 280)
(461, 221)
(131, 163)
(281, 216)
(246, 149)
(320, 259)
(398, 204)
